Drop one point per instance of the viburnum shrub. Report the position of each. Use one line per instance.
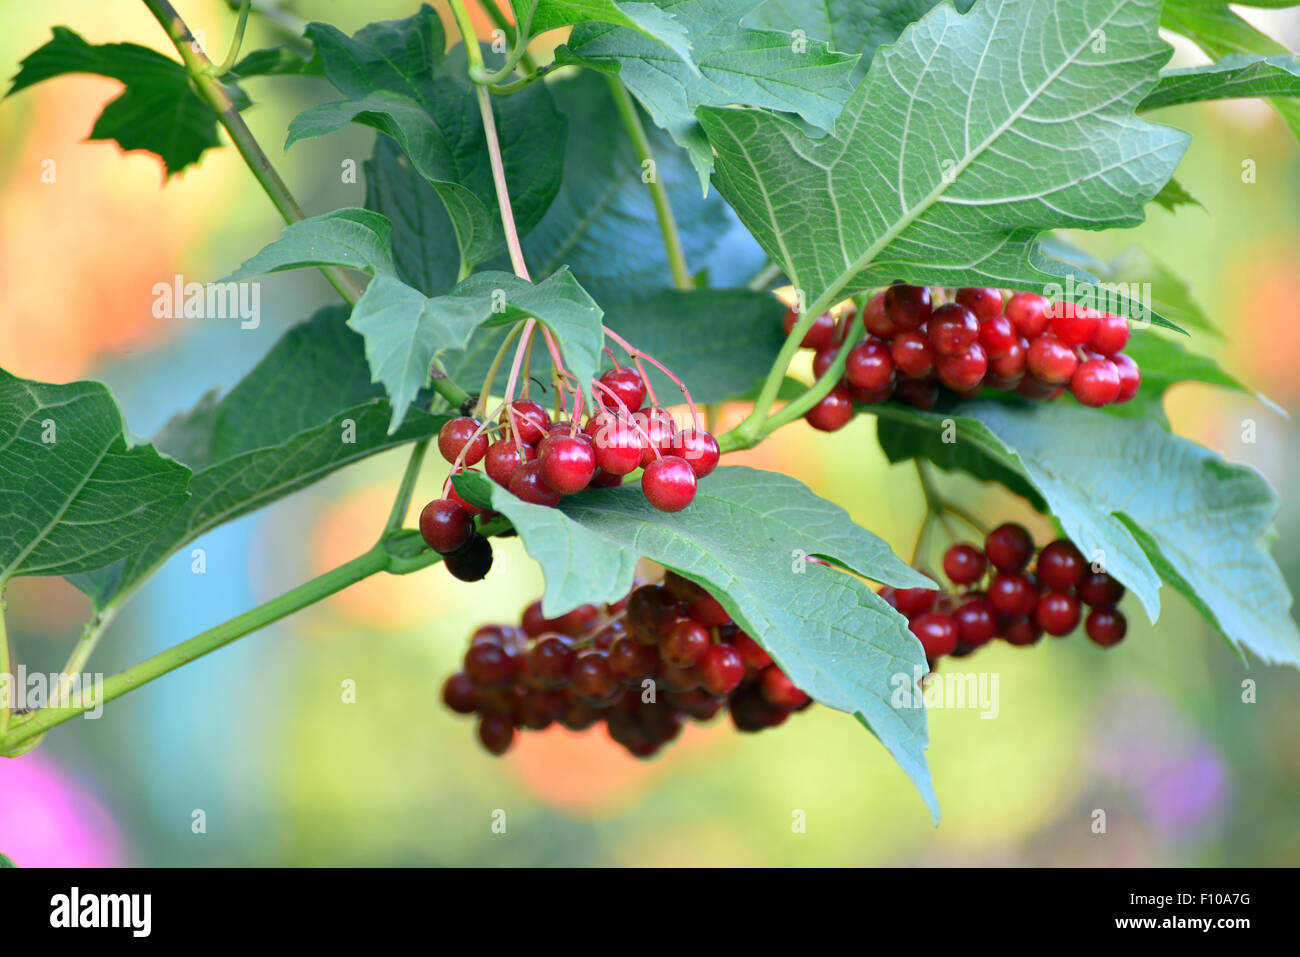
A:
(570, 257)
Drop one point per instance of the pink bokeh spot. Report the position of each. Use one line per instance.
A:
(47, 819)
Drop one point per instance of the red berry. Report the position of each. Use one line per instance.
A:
(915, 601)
(1099, 590)
(631, 661)
(1130, 376)
(685, 644)
(549, 661)
(592, 678)
(918, 393)
(659, 433)
(1095, 382)
(491, 666)
(627, 384)
(651, 612)
(1060, 565)
(1031, 387)
(833, 412)
(1010, 366)
(869, 366)
(1028, 313)
(617, 444)
(964, 564)
(458, 433)
(985, 303)
(449, 490)
(708, 611)
(750, 651)
(1009, 547)
(998, 337)
(819, 333)
(1105, 626)
(496, 733)
(567, 463)
(531, 420)
(459, 694)
(527, 484)
(952, 329)
(824, 358)
(446, 526)
(907, 306)
(503, 457)
(965, 371)
(1051, 360)
(721, 669)
(677, 679)
(776, 687)
(669, 483)
(876, 319)
(937, 632)
(912, 354)
(602, 479)
(1111, 335)
(976, 621)
(1020, 631)
(1074, 325)
(1012, 595)
(1057, 613)
(699, 448)
(578, 622)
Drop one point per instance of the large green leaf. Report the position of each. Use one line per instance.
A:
(1234, 76)
(158, 111)
(1154, 505)
(76, 494)
(397, 79)
(744, 538)
(305, 411)
(657, 25)
(967, 138)
(735, 66)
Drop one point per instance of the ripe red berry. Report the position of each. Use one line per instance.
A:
(819, 333)
(965, 371)
(750, 651)
(578, 622)
(1060, 565)
(915, 601)
(1105, 626)
(964, 564)
(567, 463)
(699, 448)
(1032, 387)
(685, 644)
(617, 444)
(549, 661)
(952, 329)
(985, 303)
(708, 611)
(1074, 325)
(1009, 547)
(459, 693)
(449, 491)
(1099, 590)
(876, 319)
(503, 457)
(491, 666)
(907, 306)
(651, 612)
(976, 621)
(1012, 595)
(446, 526)
(777, 689)
(823, 358)
(937, 632)
(527, 484)
(631, 661)
(912, 354)
(1020, 631)
(627, 384)
(1095, 382)
(592, 678)
(1057, 613)
(659, 431)
(530, 418)
(721, 669)
(1130, 376)
(1006, 370)
(496, 733)
(833, 412)
(998, 337)
(1051, 360)
(459, 434)
(1111, 335)
(918, 393)
(1028, 313)
(869, 366)
(669, 483)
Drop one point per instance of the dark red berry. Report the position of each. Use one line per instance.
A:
(459, 434)
(685, 644)
(777, 689)
(1008, 368)
(1095, 382)
(824, 358)
(1012, 595)
(533, 621)
(1009, 547)
(876, 319)
(669, 483)
(578, 622)
(527, 484)
(1028, 313)
(471, 563)
(952, 329)
(964, 564)
(631, 661)
(870, 366)
(567, 463)
(1105, 626)
(976, 621)
(1111, 335)
(1020, 631)
(651, 612)
(491, 666)
(750, 651)
(1031, 387)
(985, 303)
(912, 354)
(1130, 377)
(503, 457)
(918, 393)
(721, 669)
(1060, 565)
(937, 632)
(833, 412)
(819, 333)
(1051, 360)
(627, 384)
(699, 448)
(708, 611)
(459, 693)
(592, 678)
(907, 306)
(915, 601)
(1099, 590)
(446, 526)
(1057, 613)
(549, 661)
(496, 733)
(965, 371)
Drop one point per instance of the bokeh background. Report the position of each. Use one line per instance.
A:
(257, 737)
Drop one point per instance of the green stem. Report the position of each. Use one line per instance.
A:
(76, 662)
(658, 190)
(511, 30)
(821, 388)
(397, 514)
(764, 277)
(466, 26)
(237, 40)
(505, 89)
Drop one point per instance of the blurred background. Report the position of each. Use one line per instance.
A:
(257, 736)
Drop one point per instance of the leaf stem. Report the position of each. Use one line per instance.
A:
(627, 110)
(469, 37)
(402, 503)
(511, 29)
(237, 40)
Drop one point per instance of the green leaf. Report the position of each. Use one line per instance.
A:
(1152, 504)
(6, 861)
(158, 111)
(1172, 195)
(736, 66)
(1164, 364)
(646, 18)
(276, 61)
(356, 238)
(967, 138)
(1220, 32)
(1234, 76)
(744, 538)
(397, 79)
(76, 494)
(303, 412)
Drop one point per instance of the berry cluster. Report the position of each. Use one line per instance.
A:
(666, 653)
(540, 461)
(996, 594)
(980, 339)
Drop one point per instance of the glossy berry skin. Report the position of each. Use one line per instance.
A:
(530, 418)
(876, 319)
(627, 384)
(549, 661)
(503, 457)
(457, 435)
(1105, 626)
(976, 622)
(984, 302)
(578, 622)
(459, 693)
(821, 332)
(1051, 360)
(471, 563)
(965, 371)
(1020, 631)
(937, 633)
(567, 463)
(907, 306)
(1010, 366)
(869, 366)
(617, 445)
(1009, 547)
(1060, 565)
(1012, 595)
(651, 613)
(632, 662)
(751, 652)
(1111, 335)
(592, 678)
(777, 689)
(998, 337)
(685, 644)
(699, 448)
(1095, 383)
(1057, 613)
(669, 483)
(833, 412)
(912, 354)
(721, 669)
(496, 733)
(1099, 590)
(915, 601)
(1130, 377)
(824, 358)
(1028, 313)
(445, 526)
(708, 611)
(659, 434)
(527, 483)
(964, 564)
(1074, 325)
(952, 329)
(490, 666)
